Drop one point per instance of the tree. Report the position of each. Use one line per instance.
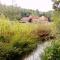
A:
(56, 4)
(56, 14)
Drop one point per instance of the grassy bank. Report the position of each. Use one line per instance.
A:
(18, 39)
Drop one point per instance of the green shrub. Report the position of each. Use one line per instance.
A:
(56, 20)
(52, 52)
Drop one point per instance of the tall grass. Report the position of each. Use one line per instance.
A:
(18, 39)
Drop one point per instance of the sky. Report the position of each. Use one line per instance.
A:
(41, 5)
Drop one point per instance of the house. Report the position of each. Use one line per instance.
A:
(36, 19)
(44, 19)
(26, 19)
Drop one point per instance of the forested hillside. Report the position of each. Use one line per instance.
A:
(16, 13)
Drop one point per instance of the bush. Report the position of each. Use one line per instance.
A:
(52, 52)
(56, 20)
(44, 32)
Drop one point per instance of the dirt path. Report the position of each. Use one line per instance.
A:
(36, 55)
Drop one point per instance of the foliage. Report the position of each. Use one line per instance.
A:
(56, 4)
(52, 52)
(56, 20)
(18, 39)
(45, 34)
(16, 13)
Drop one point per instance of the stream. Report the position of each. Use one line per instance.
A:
(36, 55)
